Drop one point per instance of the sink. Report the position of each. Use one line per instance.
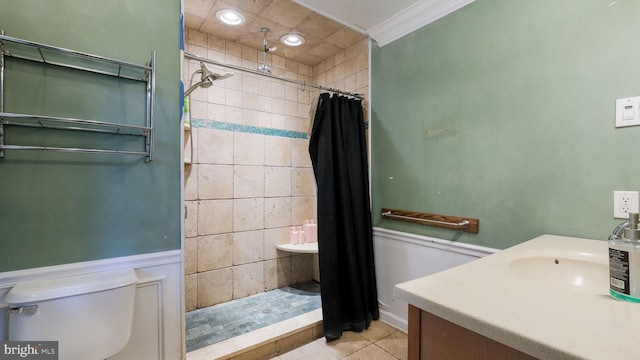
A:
(580, 272)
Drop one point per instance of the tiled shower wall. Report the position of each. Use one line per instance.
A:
(250, 177)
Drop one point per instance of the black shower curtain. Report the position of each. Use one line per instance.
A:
(345, 244)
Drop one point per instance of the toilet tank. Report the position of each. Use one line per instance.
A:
(89, 315)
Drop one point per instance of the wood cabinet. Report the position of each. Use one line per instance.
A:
(434, 338)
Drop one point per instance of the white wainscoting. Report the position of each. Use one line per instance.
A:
(158, 329)
(401, 257)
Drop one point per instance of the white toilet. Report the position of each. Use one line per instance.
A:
(89, 315)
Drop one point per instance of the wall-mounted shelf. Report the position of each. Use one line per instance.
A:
(11, 47)
(443, 221)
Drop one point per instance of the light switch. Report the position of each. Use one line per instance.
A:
(627, 112)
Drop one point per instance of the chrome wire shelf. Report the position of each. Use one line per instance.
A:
(11, 47)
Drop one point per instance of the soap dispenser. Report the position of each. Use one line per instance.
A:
(624, 263)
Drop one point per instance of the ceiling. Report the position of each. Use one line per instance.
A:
(329, 26)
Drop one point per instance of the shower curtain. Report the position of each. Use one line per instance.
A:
(345, 245)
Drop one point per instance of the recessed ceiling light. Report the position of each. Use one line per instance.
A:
(230, 17)
(292, 39)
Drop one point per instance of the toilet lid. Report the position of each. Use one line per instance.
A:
(46, 289)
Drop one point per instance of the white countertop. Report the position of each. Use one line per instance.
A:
(527, 314)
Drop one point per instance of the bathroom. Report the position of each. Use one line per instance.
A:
(502, 111)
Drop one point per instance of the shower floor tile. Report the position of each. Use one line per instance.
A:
(220, 322)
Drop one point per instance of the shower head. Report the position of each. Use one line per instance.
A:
(207, 77)
(264, 67)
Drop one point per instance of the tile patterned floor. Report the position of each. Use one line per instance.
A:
(379, 342)
(220, 322)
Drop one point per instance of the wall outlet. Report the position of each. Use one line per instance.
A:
(624, 202)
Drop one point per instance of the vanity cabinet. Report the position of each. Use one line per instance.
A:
(431, 338)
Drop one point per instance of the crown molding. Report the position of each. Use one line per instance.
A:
(412, 18)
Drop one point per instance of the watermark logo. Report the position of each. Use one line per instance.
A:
(30, 350)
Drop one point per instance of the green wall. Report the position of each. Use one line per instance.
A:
(504, 111)
(58, 208)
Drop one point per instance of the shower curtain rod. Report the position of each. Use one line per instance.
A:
(256, 72)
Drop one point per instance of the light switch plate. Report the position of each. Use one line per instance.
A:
(628, 112)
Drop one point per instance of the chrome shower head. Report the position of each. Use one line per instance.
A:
(207, 77)
(264, 67)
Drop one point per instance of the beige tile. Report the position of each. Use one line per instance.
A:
(248, 149)
(264, 103)
(215, 287)
(264, 119)
(233, 97)
(278, 105)
(362, 62)
(248, 214)
(190, 255)
(217, 95)
(313, 350)
(264, 86)
(250, 117)
(349, 343)
(191, 182)
(250, 84)
(303, 182)
(300, 153)
(277, 273)
(362, 78)
(277, 181)
(233, 114)
(294, 341)
(215, 146)
(250, 101)
(198, 109)
(302, 208)
(301, 268)
(216, 112)
(278, 121)
(273, 237)
(248, 279)
(277, 151)
(378, 330)
(262, 352)
(191, 218)
(215, 252)
(248, 247)
(215, 216)
(371, 352)
(277, 212)
(191, 292)
(248, 181)
(215, 181)
(395, 344)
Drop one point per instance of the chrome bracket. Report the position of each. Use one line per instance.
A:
(29, 310)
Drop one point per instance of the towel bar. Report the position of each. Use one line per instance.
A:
(444, 221)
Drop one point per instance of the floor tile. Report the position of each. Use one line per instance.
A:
(378, 330)
(313, 350)
(371, 352)
(395, 344)
(349, 343)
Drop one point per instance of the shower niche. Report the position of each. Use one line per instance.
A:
(37, 66)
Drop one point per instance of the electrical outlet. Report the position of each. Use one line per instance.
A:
(624, 202)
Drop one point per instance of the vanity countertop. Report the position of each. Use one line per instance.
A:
(543, 319)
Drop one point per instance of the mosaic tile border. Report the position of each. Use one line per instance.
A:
(218, 125)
